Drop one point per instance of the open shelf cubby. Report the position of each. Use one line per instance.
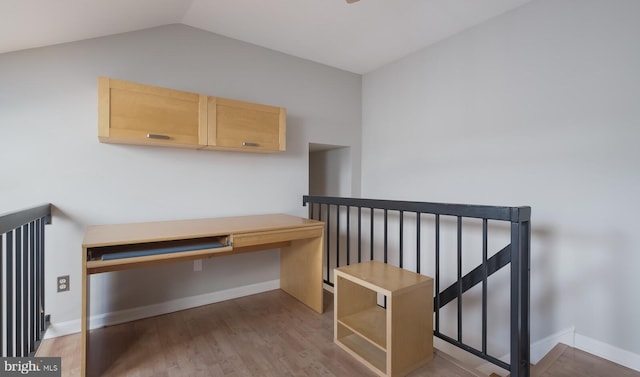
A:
(391, 341)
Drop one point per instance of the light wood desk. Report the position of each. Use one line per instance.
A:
(142, 244)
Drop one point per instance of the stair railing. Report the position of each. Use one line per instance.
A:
(23, 321)
(347, 220)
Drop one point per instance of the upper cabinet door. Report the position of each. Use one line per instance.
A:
(243, 126)
(142, 114)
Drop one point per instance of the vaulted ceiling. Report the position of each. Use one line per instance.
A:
(358, 37)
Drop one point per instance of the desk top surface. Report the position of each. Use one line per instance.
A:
(119, 234)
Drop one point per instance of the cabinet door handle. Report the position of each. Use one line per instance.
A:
(156, 136)
(248, 144)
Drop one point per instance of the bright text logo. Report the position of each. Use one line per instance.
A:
(31, 366)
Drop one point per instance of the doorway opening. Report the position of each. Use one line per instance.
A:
(329, 170)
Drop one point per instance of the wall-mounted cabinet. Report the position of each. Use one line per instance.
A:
(238, 125)
(132, 113)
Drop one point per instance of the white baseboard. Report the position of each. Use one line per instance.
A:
(537, 351)
(114, 318)
(569, 337)
(542, 347)
(607, 351)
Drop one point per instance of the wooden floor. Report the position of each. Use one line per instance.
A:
(269, 334)
(565, 361)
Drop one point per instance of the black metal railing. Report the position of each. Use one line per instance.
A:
(345, 245)
(22, 317)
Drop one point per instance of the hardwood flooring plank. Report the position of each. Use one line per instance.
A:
(548, 360)
(269, 334)
(574, 362)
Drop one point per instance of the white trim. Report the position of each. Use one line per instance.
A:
(63, 328)
(607, 351)
(569, 337)
(114, 318)
(537, 351)
(543, 346)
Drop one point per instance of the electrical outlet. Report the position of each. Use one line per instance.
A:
(197, 265)
(63, 283)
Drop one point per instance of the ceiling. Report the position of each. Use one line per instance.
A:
(357, 37)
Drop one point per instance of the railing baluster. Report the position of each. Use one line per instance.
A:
(41, 276)
(39, 282)
(359, 234)
(33, 324)
(418, 242)
(459, 279)
(348, 235)
(9, 294)
(437, 277)
(484, 284)
(25, 290)
(371, 234)
(338, 235)
(36, 282)
(328, 226)
(386, 257)
(18, 293)
(401, 238)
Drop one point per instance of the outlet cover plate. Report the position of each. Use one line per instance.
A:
(63, 283)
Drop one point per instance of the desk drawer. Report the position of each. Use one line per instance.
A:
(267, 237)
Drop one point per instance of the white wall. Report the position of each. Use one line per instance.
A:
(50, 153)
(536, 107)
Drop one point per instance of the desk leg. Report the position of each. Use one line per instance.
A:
(301, 271)
(84, 336)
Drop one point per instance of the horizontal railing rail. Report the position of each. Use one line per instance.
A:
(15, 219)
(22, 311)
(516, 254)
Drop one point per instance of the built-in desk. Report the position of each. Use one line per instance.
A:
(124, 246)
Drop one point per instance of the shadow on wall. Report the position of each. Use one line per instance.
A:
(544, 290)
(589, 286)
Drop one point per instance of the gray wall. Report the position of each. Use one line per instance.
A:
(50, 153)
(536, 107)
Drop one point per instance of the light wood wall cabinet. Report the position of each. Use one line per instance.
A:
(132, 113)
(391, 341)
(238, 125)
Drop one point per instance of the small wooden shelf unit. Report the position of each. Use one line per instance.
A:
(392, 341)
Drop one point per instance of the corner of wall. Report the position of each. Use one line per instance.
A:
(569, 337)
